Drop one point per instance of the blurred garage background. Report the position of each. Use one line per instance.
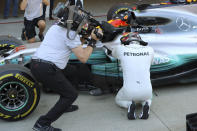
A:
(97, 7)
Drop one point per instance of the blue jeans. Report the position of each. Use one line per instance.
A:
(7, 8)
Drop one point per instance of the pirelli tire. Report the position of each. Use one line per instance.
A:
(19, 92)
(117, 9)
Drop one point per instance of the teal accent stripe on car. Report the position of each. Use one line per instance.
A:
(111, 69)
(174, 61)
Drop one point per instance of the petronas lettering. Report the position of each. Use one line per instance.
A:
(136, 54)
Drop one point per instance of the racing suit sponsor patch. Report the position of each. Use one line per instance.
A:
(136, 54)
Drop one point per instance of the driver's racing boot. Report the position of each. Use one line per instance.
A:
(38, 127)
(145, 111)
(131, 111)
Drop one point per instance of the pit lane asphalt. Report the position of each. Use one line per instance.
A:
(100, 113)
(169, 106)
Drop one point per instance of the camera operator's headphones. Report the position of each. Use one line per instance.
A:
(71, 17)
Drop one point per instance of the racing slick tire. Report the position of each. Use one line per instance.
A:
(19, 92)
(7, 43)
(117, 9)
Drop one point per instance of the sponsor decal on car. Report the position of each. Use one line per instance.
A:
(160, 60)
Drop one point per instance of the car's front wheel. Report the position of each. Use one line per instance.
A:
(19, 93)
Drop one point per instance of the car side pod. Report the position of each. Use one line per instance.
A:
(191, 122)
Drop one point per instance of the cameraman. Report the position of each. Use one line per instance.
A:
(49, 61)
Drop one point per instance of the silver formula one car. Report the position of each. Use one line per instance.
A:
(173, 35)
(171, 29)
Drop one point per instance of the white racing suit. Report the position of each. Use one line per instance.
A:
(135, 62)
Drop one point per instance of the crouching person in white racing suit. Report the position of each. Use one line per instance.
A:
(136, 59)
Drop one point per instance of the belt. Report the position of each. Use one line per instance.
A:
(44, 61)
